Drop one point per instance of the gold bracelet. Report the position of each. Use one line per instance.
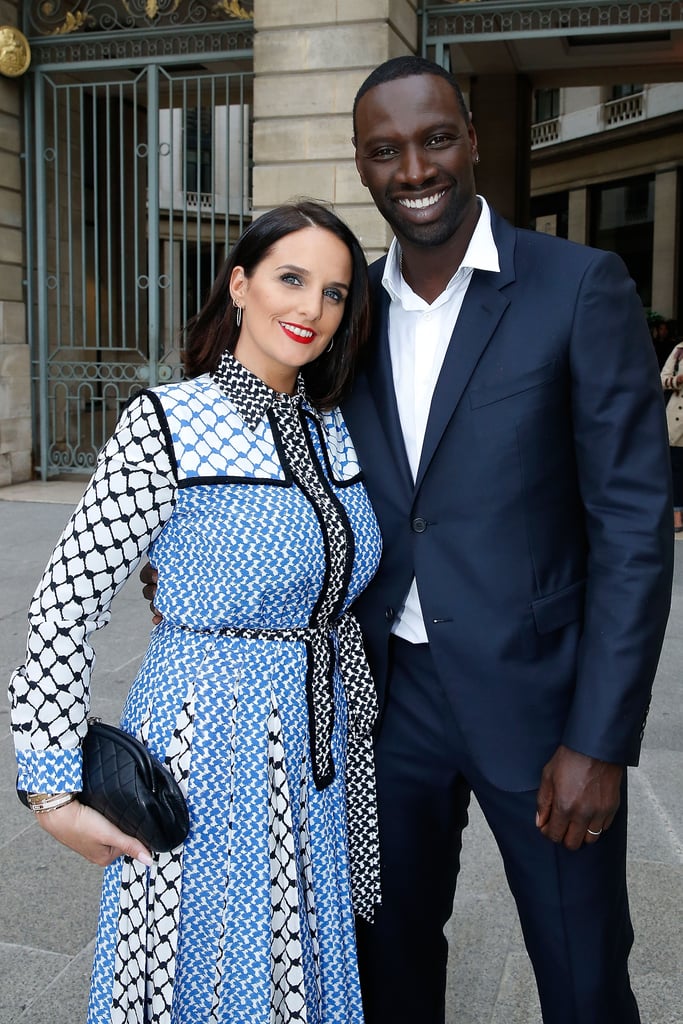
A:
(42, 802)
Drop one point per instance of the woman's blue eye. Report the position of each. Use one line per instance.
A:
(330, 293)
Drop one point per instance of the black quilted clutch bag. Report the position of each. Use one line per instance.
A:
(131, 788)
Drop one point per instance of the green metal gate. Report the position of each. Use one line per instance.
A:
(137, 182)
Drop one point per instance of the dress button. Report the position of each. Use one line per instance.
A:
(389, 614)
(419, 525)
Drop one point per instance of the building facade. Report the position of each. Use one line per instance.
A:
(607, 169)
(144, 134)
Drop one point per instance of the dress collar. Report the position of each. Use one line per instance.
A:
(250, 395)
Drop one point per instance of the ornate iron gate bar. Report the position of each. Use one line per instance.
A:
(125, 49)
(487, 20)
(122, 242)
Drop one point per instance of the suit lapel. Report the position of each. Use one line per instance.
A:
(381, 384)
(481, 311)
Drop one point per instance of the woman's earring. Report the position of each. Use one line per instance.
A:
(329, 347)
(476, 158)
(238, 315)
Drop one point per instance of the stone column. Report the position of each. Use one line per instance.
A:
(15, 368)
(309, 60)
(666, 243)
(501, 114)
(577, 230)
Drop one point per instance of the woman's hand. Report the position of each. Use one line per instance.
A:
(87, 832)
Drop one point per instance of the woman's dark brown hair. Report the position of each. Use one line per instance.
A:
(213, 330)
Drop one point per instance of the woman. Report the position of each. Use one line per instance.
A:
(672, 381)
(242, 483)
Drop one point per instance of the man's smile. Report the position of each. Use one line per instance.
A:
(423, 202)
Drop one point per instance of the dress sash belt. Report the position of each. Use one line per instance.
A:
(361, 699)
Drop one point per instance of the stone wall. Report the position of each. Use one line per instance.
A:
(309, 60)
(15, 399)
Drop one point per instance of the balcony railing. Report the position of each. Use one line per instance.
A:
(203, 200)
(621, 111)
(545, 132)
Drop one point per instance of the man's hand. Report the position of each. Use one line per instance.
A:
(84, 830)
(578, 798)
(150, 578)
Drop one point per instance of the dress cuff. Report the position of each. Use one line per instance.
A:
(50, 771)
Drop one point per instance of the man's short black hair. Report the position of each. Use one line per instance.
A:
(407, 67)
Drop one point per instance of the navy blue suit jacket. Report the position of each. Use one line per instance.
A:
(539, 528)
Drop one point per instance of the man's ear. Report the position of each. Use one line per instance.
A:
(360, 173)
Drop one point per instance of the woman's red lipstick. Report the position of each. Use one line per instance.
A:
(302, 335)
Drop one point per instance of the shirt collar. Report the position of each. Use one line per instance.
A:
(481, 254)
(250, 395)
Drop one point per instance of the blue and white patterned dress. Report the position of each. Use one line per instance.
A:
(252, 507)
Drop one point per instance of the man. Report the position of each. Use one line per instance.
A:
(510, 425)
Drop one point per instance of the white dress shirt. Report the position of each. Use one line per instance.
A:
(419, 335)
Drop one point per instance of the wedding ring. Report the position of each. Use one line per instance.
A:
(592, 833)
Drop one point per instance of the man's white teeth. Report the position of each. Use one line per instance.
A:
(420, 204)
(301, 331)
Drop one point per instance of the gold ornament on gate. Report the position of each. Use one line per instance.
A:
(71, 23)
(15, 53)
(234, 8)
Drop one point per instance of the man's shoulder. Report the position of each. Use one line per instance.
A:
(544, 246)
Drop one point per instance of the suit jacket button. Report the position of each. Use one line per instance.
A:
(419, 525)
(389, 614)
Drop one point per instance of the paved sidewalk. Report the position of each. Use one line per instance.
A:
(48, 895)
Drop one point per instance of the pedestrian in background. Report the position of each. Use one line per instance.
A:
(663, 333)
(672, 382)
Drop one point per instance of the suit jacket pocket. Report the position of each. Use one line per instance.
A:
(559, 609)
(496, 391)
